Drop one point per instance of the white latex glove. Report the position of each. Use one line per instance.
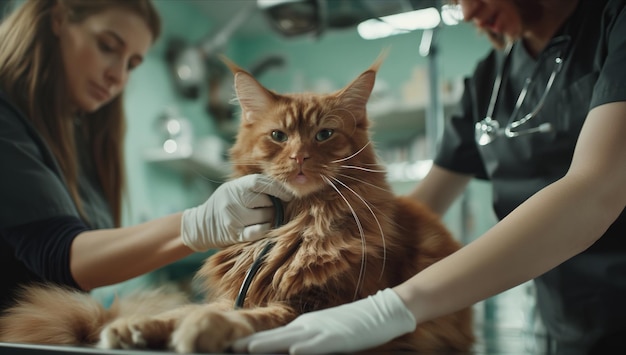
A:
(239, 210)
(351, 327)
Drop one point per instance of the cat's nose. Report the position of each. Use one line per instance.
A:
(300, 158)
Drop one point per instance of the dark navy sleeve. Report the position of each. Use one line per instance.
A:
(611, 84)
(457, 150)
(32, 187)
(44, 246)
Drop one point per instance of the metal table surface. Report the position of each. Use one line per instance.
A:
(501, 342)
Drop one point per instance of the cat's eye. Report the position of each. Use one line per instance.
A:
(279, 136)
(323, 135)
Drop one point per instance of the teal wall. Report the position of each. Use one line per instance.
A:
(342, 54)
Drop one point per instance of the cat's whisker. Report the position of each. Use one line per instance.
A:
(252, 163)
(352, 155)
(360, 227)
(200, 175)
(380, 228)
(364, 182)
(262, 192)
(364, 169)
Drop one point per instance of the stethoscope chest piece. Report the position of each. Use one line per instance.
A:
(486, 131)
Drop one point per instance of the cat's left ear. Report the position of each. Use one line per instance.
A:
(254, 99)
(357, 93)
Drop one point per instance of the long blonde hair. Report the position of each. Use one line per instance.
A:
(32, 75)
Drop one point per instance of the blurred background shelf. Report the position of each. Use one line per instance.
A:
(193, 163)
(400, 123)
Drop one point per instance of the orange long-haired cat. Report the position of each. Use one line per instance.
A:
(345, 237)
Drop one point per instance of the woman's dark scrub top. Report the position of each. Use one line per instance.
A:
(583, 299)
(38, 219)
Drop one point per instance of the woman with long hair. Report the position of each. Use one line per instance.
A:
(63, 68)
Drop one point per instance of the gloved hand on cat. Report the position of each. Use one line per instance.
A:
(239, 210)
(351, 327)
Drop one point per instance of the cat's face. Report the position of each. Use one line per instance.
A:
(305, 141)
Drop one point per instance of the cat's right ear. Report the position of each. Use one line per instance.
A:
(254, 99)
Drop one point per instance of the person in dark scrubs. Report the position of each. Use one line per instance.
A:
(63, 68)
(543, 118)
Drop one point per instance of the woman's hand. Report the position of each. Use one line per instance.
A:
(239, 210)
(351, 327)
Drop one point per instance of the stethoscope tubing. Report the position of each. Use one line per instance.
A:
(254, 268)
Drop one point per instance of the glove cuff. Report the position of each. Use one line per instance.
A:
(189, 230)
(391, 304)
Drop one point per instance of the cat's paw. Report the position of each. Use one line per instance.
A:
(209, 330)
(135, 332)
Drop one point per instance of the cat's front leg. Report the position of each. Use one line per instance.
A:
(209, 330)
(142, 331)
(135, 332)
(214, 330)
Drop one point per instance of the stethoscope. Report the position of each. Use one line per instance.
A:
(488, 129)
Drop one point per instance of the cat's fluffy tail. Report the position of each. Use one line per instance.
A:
(47, 314)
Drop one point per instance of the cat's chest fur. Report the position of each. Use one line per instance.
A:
(324, 245)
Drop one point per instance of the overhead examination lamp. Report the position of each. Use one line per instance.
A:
(373, 18)
(404, 22)
(294, 17)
